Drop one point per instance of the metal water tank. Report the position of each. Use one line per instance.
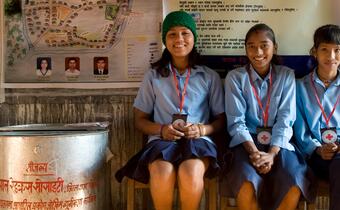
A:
(52, 167)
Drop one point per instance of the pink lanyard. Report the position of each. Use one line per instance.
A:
(327, 119)
(265, 112)
(181, 96)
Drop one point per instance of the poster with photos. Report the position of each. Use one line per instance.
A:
(61, 41)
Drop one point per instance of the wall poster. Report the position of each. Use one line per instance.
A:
(111, 43)
(222, 25)
(80, 41)
(2, 90)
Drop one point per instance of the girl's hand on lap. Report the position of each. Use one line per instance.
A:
(264, 162)
(327, 151)
(192, 131)
(171, 133)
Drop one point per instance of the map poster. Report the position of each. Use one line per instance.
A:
(80, 41)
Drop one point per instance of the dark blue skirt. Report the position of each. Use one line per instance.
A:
(174, 152)
(289, 169)
(328, 170)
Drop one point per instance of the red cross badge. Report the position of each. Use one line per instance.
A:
(329, 136)
(264, 137)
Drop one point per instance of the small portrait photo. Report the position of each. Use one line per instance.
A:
(72, 66)
(100, 66)
(44, 67)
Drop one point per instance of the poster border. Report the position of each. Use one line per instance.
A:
(77, 85)
(2, 50)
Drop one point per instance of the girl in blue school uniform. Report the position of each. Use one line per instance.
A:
(179, 104)
(266, 172)
(317, 126)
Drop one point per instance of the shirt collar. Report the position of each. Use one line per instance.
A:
(255, 76)
(336, 82)
(196, 70)
(337, 79)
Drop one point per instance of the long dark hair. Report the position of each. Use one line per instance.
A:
(41, 59)
(161, 66)
(270, 35)
(329, 34)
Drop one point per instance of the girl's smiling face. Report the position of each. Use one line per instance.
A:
(179, 41)
(260, 50)
(328, 57)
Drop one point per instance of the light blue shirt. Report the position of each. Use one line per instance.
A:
(309, 119)
(244, 113)
(204, 96)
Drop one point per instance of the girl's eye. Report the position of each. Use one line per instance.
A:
(264, 46)
(250, 46)
(185, 32)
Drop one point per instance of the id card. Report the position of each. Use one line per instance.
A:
(179, 120)
(264, 135)
(329, 135)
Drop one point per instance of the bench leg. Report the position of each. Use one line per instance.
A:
(212, 194)
(130, 194)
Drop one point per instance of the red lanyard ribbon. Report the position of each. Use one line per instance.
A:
(265, 112)
(181, 96)
(327, 119)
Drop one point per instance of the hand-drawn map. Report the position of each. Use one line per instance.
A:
(123, 33)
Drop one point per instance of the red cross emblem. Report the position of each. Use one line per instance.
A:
(329, 136)
(264, 137)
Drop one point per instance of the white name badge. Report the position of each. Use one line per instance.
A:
(179, 120)
(329, 135)
(264, 137)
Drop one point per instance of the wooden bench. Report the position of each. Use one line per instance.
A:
(228, 203)
(322, 197)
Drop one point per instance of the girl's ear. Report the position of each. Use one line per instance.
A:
(275, 49)
(313, 52)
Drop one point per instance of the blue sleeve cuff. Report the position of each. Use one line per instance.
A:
(240, 138)
(282, 142)
(311, 147)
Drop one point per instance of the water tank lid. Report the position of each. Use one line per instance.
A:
(92, 126)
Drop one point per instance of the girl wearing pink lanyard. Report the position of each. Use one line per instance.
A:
(178, 105)
(317, 126)
(266, 171)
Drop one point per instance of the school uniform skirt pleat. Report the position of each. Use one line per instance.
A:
(174, 152)
(289, 170)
